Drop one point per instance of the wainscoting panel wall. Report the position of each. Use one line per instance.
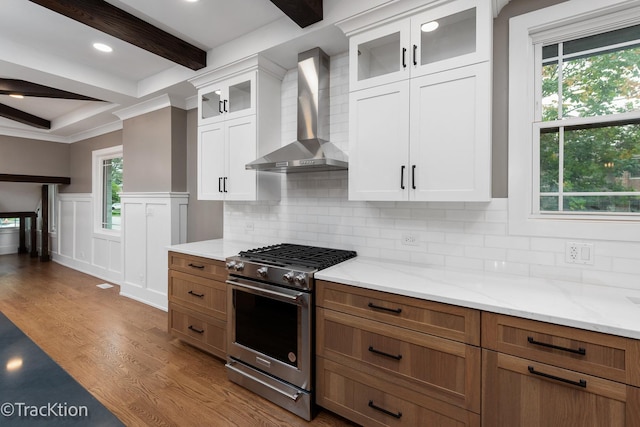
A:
(151, 222)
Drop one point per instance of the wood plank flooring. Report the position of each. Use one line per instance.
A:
(120, 351)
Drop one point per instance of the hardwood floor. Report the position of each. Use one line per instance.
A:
(120, 351)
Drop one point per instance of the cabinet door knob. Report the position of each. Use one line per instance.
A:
(404, 57)
(402, 177)
(224, 184)
(220, 184)
(415, 58)
(220, 107)
(225, 106)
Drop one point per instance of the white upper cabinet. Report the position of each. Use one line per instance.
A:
(227, 100)
(420, 105)
(441, 37)
(238, 122)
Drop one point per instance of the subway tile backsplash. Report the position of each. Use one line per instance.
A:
(314, 209)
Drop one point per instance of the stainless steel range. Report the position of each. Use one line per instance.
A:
(271, 321)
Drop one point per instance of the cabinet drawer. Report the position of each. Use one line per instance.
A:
(443, 320)
(594, 353)
(201, 331)
(440, 368)
(526, 393)
(371, 401)
(195, 292)
(199, 266)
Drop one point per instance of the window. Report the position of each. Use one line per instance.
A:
(9, 222)
(586, 144)
(574, 120)
(107, 186)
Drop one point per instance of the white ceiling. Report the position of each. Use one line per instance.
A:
(44, 47)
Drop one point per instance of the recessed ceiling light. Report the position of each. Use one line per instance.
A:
(429, 26)
(102, 47)
(16, 95)
(191, 1)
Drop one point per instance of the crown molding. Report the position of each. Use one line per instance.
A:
(148, 106)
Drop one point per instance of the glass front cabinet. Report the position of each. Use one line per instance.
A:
(231, 99)
(439, 38)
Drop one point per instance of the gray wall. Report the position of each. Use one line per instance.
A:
(32, 157)
(80, 160)
(154, 147)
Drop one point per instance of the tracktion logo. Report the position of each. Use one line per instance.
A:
(50, 410)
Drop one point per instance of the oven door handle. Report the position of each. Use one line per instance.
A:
(297, 298)
(293, 397)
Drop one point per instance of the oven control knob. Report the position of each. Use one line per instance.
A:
(231, 264)
(300, 279)
(262, 272)
(239, 266)
(288, 277)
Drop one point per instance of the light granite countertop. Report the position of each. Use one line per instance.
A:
(606, 309)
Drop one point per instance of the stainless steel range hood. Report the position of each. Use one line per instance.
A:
(312, 151)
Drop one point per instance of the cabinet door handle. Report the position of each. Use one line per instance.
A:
(196, 330)
(413, 177)
(397, 415)
(196, 294)
(402, 177)
(392, 310)
(581, 351)
(404, 57)
(220, 107)
(225, 106)
(199, 267)
(382, 353)
(580, 383)
(220, 184)
(224, 184)
(415, 58)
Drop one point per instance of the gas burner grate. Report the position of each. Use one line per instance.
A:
(301, 255)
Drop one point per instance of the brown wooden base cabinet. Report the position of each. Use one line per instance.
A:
(520, 392)
(377, 366)
(198, 302)
(537, 374)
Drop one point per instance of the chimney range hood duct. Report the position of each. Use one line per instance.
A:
(311, 152)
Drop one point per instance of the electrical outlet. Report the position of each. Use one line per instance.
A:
(248, 226)
(410, 240)
(579, 253)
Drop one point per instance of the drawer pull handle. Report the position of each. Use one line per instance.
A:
(196, 330)
(580, 383)
(397, 415)
(382, 353)
(199, 267)
(392, 310)
(581, 351)
(196, 294)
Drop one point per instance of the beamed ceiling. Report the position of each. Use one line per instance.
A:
(159, 45)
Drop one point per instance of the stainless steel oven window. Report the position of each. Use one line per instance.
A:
(268, 326)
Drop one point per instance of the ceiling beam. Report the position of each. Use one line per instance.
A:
(22, 117)
(6, 177)
(302, 12)
(21, 87)
(116, 22)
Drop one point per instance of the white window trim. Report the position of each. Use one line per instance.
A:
(563, 21)
(97, 157)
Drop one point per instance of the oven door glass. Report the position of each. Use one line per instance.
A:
(267, 326)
